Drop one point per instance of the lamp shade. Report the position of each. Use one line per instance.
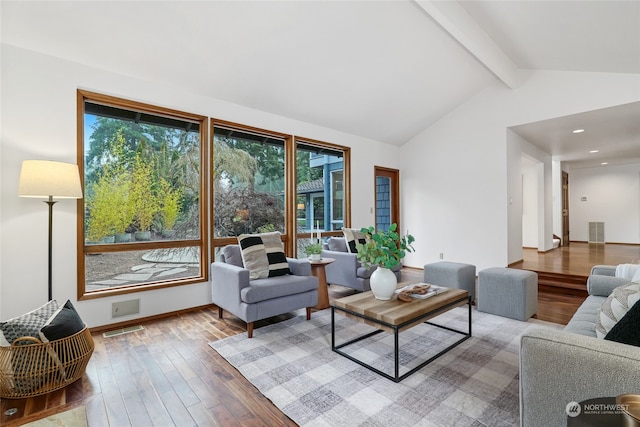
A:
(44, 178)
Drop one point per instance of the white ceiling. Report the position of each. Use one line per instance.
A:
(384, 70)
(614, 132)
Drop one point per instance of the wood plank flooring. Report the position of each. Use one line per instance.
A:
(167, 374)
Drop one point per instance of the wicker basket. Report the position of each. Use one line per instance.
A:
(33, 368)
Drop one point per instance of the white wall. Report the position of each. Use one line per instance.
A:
(529, 203)
(556, 177)
(39, 122)
(458, 174)
(612, 196)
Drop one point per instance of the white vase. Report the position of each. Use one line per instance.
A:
(383, 283)
(315, 257)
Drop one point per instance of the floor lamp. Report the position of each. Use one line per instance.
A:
(44, 178)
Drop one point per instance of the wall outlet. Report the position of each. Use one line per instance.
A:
(123, 308)
(441, 255)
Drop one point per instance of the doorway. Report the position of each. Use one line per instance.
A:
(387, 191)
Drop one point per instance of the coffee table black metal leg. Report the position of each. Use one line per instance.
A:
(333, 329)
(469, 305)
(396, 346)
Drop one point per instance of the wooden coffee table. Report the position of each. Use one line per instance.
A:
(396, 316)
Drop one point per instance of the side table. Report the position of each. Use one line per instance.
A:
(317, 269)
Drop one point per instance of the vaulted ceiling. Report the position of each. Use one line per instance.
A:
(384, 70)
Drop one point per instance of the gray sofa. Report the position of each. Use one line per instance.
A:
(253, 300)
(572, 365)
(347, 270)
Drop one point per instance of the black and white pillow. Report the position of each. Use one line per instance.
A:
(263, 255)
(353, 236)
(627, 330)
(27, 325)
(615, 307)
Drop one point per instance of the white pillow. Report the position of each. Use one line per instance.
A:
(628, 271)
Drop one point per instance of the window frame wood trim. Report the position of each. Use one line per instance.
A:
(202, 242)
(218, 242)
(346, 162)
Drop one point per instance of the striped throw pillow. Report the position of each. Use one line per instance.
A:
(353, 236)
(263, 255)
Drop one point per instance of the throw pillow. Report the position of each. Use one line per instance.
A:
(27, 325)
(627, 330)
(615, 307)
(353, 236)
(263, 255)
(63, 323)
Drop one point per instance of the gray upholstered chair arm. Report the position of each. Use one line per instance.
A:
(226, 282)
(558, 367)
(604, 285)
(299, 267)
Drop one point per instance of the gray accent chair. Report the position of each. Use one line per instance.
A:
(347, 270)
(252, 300)
(572, 365)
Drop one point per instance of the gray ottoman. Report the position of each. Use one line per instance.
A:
(452, 275)
(508, 292)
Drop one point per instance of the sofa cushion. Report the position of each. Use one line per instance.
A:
(263, 255)
(337, 244)
(63, 323)
(616, 306)
(353, 236)
(274, 287)
(627, 330)
(27, 325)
(583, 321)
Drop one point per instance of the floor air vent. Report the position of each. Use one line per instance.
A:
(122, 331)
(596, 232)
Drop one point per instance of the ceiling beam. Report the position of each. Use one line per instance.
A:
(451, 16)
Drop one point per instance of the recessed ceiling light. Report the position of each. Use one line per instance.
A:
(594, 151)
(604, 163)
(578, 131)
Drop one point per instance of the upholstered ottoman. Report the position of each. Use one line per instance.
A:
(452, 275)
(508, 292)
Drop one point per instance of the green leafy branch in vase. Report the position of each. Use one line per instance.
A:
(384, 248)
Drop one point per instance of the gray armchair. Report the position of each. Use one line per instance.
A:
(347, 270)
(252, 300)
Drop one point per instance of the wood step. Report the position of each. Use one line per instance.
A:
(559, 282)
(563, 281)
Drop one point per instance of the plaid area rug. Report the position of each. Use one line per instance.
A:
(474, 384)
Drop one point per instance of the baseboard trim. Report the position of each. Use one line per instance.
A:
(133, 322)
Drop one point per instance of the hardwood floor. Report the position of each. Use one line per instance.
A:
(167, 374)
(563, 274)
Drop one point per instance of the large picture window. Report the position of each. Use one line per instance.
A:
(264, 181)
(320, 171)
(248, 182)
(141, 219)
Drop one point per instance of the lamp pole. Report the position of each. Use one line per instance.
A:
(50, 202)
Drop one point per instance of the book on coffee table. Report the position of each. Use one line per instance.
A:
(433, 290)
